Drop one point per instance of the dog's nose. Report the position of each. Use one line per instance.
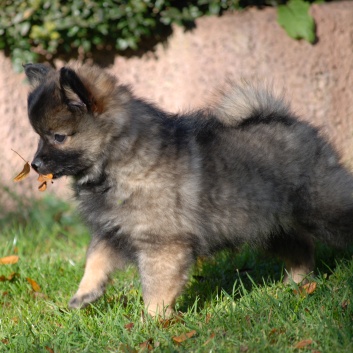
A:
(36, 163)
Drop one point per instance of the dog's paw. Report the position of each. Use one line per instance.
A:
(79, 301)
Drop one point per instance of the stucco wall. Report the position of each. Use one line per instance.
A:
(318, 79)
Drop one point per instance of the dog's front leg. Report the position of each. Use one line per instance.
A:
(102, 260)
(164, 273)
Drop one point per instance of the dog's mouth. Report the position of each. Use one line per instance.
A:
(57, 175)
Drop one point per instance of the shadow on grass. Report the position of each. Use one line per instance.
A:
(238, 272)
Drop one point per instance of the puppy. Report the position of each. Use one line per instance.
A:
(159, 190)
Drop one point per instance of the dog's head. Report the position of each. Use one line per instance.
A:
(75, 111)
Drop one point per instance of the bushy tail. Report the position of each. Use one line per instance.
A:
(333, 213)
(238, 102)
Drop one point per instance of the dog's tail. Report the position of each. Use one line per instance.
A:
(239, 102)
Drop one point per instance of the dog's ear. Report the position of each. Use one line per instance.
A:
(36, 73)
(73, 91)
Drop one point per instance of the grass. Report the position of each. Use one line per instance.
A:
(234, 302)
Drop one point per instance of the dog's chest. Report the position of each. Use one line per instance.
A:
(137, 207)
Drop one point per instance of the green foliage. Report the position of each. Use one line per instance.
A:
(34, 30)
(295, 19)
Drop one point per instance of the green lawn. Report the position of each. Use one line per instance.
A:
(234, 302)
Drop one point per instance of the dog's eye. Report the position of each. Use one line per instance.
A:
(59, 138)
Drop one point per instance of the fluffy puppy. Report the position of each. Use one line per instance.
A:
(159, 190)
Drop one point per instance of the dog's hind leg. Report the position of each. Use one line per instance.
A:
(164, 273)
(102, 260)
(298, 253)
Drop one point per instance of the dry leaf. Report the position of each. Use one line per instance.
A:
(212, 335)
(307, 288)
(39, 295)
(24, 173)
(171, 321)
(9, 260)
(129, 326)
(183, 337)
(10, 277)
(5, 341)
(147, 344)
(42, 177)
(310, 287)
(34, 284)
(49, 349)
(345, 304)
(303, 343)
(124, 348)
(43, 186)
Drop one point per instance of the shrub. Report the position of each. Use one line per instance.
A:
(35, 30)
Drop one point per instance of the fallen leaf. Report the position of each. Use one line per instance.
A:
(212, 335)
(171, 321)
(39, 295)
(49, 349)
(5, 341)
(147, 344)
(43, 186)
(34, 284)
(9, 260)
(124, 348)
(208, 318)
(243, 349)
(129, 326)
(303, 343)
(183, 337)
(308, 288)
(345, 304)
(10, 277)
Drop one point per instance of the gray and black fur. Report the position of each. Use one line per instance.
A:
(158, 189)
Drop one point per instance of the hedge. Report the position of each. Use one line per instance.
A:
(37, 30)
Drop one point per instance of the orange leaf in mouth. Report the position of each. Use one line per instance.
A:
(42, 186)
(42, 178)
(24, 173)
